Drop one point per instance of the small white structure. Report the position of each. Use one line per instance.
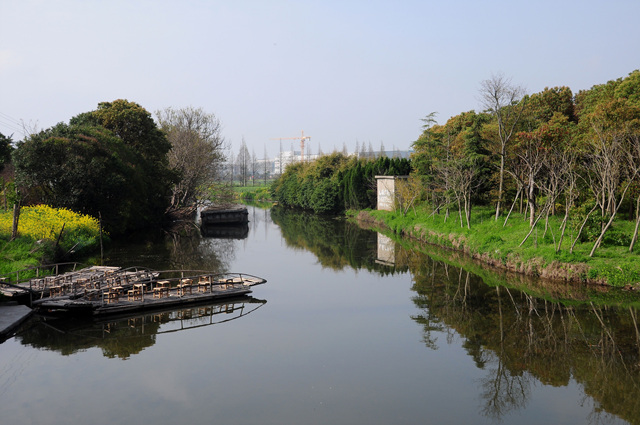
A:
(386, 251)
(387, 191)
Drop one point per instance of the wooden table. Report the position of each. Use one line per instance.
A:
(161, 289)
(137, 292)
(203, 283)
(184, 286)
(113, 296)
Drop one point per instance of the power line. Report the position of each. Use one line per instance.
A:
(10, 118)
(11, 123)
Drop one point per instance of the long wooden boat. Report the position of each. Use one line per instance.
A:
(166, 289)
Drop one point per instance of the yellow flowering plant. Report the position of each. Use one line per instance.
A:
(44, 222)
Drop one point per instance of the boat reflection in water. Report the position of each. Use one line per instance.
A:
(125, 336)
(226, 231)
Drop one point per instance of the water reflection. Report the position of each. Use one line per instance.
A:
(180, 248)
(337, 243)
(525, 337)
(549, 333)
(229, 231)
(126, 336)
(520, 340)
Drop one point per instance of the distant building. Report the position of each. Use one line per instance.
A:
(279, 163)
(285, 158)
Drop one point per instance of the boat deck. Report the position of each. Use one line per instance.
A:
(151, 295)
(75, 282)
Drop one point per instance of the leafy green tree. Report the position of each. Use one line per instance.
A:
(111, 162)
(135, 126)
(5, 150)
(85, 169)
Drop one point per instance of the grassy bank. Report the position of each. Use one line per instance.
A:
(253, 193)
(499, 245)
(45, 235)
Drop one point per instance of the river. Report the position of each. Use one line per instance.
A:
(352, 327)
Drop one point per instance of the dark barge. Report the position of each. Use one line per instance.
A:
(215, 215)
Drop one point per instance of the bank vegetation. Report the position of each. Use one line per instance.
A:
(546, 184)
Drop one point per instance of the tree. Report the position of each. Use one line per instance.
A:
(135, 126)
(505, 101)
(407, 191)
(243, 160)
(112, 161)
(5, 150)
(254, 167)
(86, 169)
(197, 152)
(265, 164)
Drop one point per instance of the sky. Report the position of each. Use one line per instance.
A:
(346, 72)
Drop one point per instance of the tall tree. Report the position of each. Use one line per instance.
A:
(505, 101)
(135, 126)
(243, 160)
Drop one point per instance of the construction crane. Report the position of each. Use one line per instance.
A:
(302, 138)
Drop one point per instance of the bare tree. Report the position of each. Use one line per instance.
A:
(243, 160)
(634, 159)
(505, 102)
(254, 165)
(266, 161)
(612, 161)
(197, 151)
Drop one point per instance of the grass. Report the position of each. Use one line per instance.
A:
(22, 253)
(612, 263)
(253, 193)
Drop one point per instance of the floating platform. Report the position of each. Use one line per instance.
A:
(158, 293)
(74, 283)
(224, 215)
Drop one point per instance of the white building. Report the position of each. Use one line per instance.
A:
(284, 158)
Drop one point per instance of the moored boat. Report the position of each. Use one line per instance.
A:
(165, 289)
(50, 282)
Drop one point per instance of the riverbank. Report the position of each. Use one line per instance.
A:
(46, 235)
(498, 245)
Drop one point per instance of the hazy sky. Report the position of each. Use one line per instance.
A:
(342, 71)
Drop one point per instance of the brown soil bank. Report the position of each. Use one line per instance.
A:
(568, 272)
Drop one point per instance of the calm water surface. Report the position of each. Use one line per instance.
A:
(351, 328)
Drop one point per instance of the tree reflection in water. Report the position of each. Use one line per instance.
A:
(521, 331)
(521, 339)
(181, 247)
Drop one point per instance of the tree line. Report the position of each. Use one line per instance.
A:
(547, 153)
(117, 163)
(334, 183)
